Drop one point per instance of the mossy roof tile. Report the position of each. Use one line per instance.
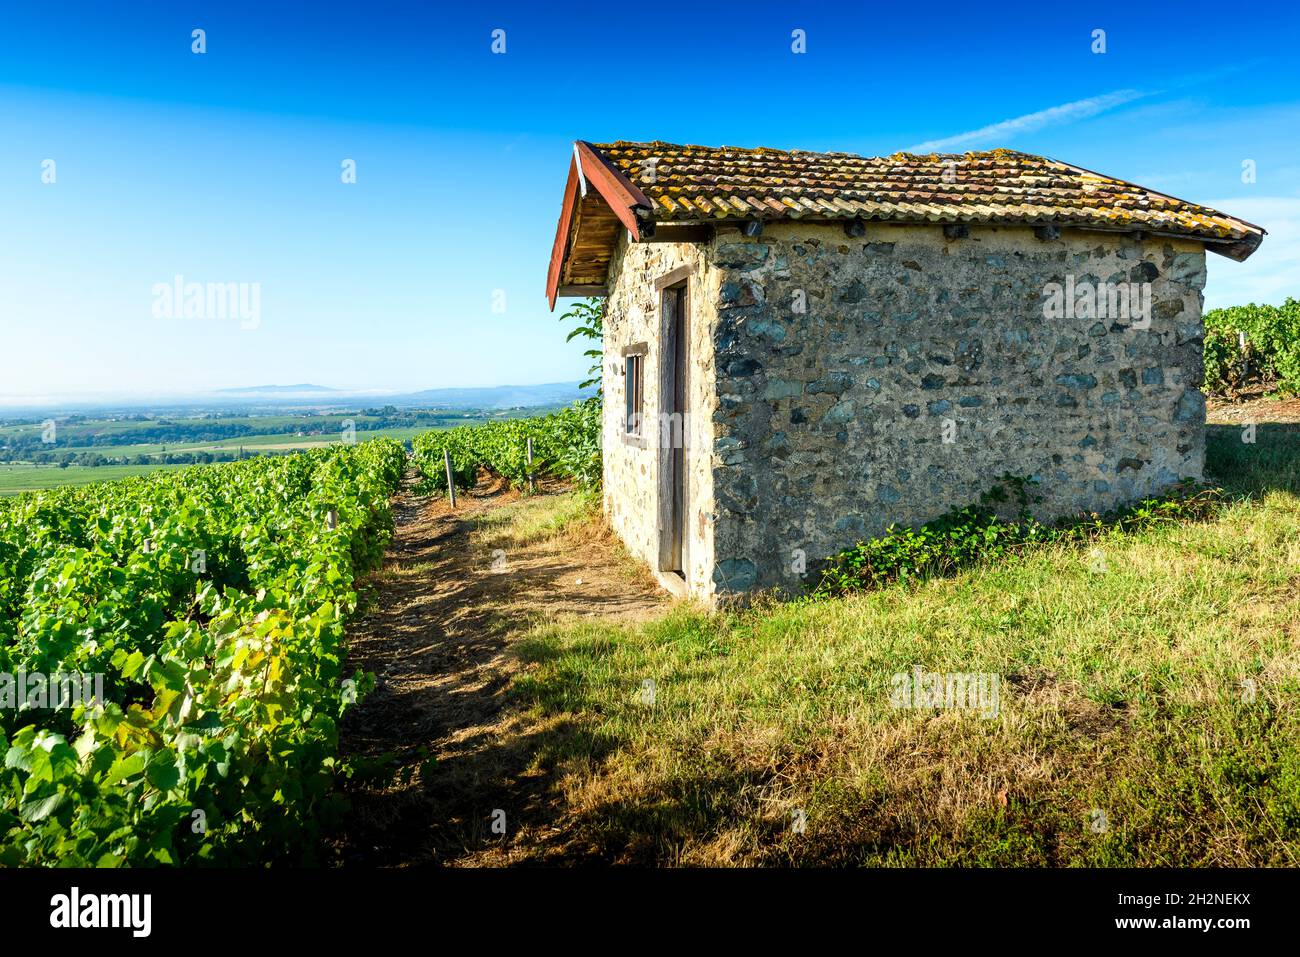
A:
(994, 186)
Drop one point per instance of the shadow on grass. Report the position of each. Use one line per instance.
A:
(1254, 460)
(443, 743)
(1189, 784)
(639, 818)
(1185, 784)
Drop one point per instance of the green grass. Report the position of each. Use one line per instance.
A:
(529, 520)
(1155, 687)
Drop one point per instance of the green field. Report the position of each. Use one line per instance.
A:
(30, 464)
(28, 478)
(276, 441)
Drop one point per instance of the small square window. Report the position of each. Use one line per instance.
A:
(634, 387)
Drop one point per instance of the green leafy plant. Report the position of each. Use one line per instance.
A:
(590, 316)
(1271, 354)
(565, 444)
(213, 602)
(979, 533)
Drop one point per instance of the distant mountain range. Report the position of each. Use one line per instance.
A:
(501, 396)
(482, 397)
(308, 396)
(275, 389)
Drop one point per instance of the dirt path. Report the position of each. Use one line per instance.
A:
(1254, 405)
(454, 594)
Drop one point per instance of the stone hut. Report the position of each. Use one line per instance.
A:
(801, 349)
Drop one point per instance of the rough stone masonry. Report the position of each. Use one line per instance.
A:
(847, 384)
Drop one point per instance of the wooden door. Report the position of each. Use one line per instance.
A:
(678, 348)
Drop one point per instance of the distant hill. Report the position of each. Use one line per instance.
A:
(501, 396)
(478, 397)
(305, 396)
(273, 389)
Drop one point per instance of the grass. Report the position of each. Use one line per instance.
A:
(1146, 711)
(533, 519)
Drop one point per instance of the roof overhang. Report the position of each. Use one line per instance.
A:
(598, 202)
(1236, 249)
(1239, 250)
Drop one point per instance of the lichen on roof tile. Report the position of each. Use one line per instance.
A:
(688, 182)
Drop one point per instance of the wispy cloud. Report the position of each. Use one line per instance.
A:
(1076, 110)
(1052, 116)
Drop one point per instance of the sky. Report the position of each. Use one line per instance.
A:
(127, 159)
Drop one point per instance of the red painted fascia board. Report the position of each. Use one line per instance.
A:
(617, 190)
(561, 246)
(621, 194)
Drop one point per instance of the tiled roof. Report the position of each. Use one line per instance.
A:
(694, 183)
(635, 187)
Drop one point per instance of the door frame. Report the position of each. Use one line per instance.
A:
(671, 281)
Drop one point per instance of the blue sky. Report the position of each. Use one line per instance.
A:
(225, 167)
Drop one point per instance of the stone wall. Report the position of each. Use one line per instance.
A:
(843, 365)
(633, 471)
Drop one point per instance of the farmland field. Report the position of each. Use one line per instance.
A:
(208, 605)
(27, 478)
(87, 449)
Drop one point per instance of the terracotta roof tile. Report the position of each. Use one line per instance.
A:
(999, 186)
(638, 185)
